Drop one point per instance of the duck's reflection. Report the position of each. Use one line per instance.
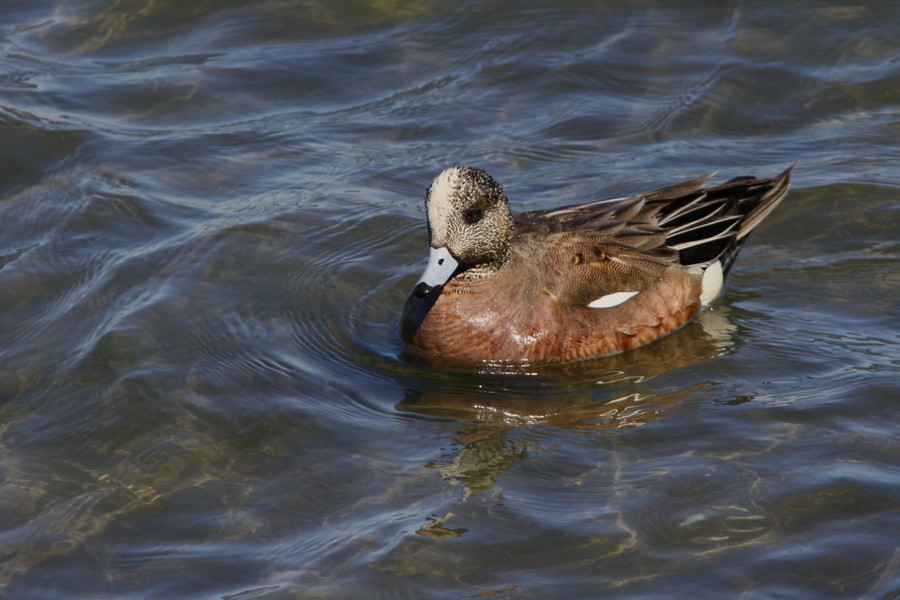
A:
(603, 394)
(485, 454)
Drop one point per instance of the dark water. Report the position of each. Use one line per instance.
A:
(211, 213)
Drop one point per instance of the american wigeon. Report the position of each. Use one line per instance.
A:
(578, 281)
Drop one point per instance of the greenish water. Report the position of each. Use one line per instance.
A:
(211, 214)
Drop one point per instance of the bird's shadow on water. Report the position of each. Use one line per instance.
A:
(606, 394)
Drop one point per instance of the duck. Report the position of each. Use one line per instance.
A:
(575, 282)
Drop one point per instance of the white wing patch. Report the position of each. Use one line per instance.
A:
(610, 300)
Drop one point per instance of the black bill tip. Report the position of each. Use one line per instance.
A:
(423, 290)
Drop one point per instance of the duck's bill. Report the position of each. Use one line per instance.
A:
(441, 267)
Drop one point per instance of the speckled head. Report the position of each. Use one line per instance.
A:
(469, 220)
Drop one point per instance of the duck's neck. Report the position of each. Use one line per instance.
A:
(489, 268)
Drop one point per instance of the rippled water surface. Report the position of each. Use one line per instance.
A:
(211, 214)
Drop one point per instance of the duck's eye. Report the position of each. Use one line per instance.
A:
(472, 215)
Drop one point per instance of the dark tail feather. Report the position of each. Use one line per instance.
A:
(715, 224)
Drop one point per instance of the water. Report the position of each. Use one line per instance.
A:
(211, 214)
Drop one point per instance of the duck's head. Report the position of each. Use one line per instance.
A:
(469, 227)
